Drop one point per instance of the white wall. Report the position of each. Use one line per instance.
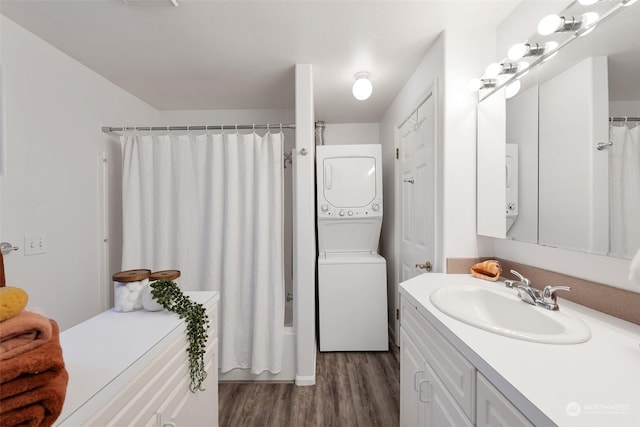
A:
(54, 110)
(456, 57)
(624, 108)
(351, 133)
(466, 55)
(304, 242)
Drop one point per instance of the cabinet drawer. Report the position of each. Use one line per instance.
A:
(455, 372)
(139, 400)
(495, 410)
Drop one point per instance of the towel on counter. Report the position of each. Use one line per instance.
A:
(34, 368)
(31, 416)
(634, 269)
(33, 385)
(38, 407)
(23, 332)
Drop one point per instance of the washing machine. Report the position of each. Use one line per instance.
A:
(352, 276)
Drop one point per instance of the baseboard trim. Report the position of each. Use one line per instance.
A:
(305, 381)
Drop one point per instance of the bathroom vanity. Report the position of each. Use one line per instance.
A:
(456, 374)
(132, 369)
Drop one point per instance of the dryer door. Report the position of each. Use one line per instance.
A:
(349, 182)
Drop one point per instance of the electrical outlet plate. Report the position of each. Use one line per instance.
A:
(35, 244)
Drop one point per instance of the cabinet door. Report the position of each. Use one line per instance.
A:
(494, 410)
(194, 409)
(442, 409)
(412, 371)
(456, 373)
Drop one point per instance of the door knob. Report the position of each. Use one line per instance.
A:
(7, 248)
(426, 266)
(410, 180)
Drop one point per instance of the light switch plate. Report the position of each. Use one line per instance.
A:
(35, 244)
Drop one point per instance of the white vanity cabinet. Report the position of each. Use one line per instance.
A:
(439, 386)
(131, 369)
(494, 410)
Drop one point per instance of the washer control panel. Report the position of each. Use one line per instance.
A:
(374, 209)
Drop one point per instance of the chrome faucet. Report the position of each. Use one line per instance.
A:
(545, 299)
(549, 296)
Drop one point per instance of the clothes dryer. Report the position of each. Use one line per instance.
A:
(352, 290)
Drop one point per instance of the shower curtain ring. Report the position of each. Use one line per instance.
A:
(253, 126)
(268, 128)
(280, 127)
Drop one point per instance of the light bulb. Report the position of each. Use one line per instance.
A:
(549, 24)
(589, 18)
(588, 23)
(588, 2)
(362, 87)
(493, 70)
(517, 51)
(512, 89)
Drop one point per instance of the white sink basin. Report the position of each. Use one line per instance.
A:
(502, 312)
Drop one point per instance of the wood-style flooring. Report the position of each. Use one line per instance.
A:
(352, 389)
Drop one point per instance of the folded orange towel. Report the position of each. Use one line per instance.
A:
(32, 369)
(31, 416)
(33, 385)
(38, 407)
(22, 333)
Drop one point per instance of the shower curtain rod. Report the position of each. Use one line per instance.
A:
(624, 119)
(108, 129)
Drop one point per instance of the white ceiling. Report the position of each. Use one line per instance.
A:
(210, 54)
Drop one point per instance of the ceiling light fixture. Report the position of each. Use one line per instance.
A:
(362, 87)
(174, 3)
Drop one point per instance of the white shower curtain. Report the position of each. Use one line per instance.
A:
(211, 206)
(624, 167)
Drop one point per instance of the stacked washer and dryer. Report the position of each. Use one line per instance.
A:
(352, 276)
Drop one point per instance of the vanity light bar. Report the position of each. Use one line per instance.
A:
(581, 25)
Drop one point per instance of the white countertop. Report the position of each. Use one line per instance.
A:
(98, 351)
(546, 381)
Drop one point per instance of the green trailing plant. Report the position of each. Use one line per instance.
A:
(168, 294)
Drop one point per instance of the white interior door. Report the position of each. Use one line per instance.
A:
(417, 154)
(417, 191)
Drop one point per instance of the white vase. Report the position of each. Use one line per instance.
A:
(148, 302)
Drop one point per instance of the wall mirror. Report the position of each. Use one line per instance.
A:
(575, 122)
